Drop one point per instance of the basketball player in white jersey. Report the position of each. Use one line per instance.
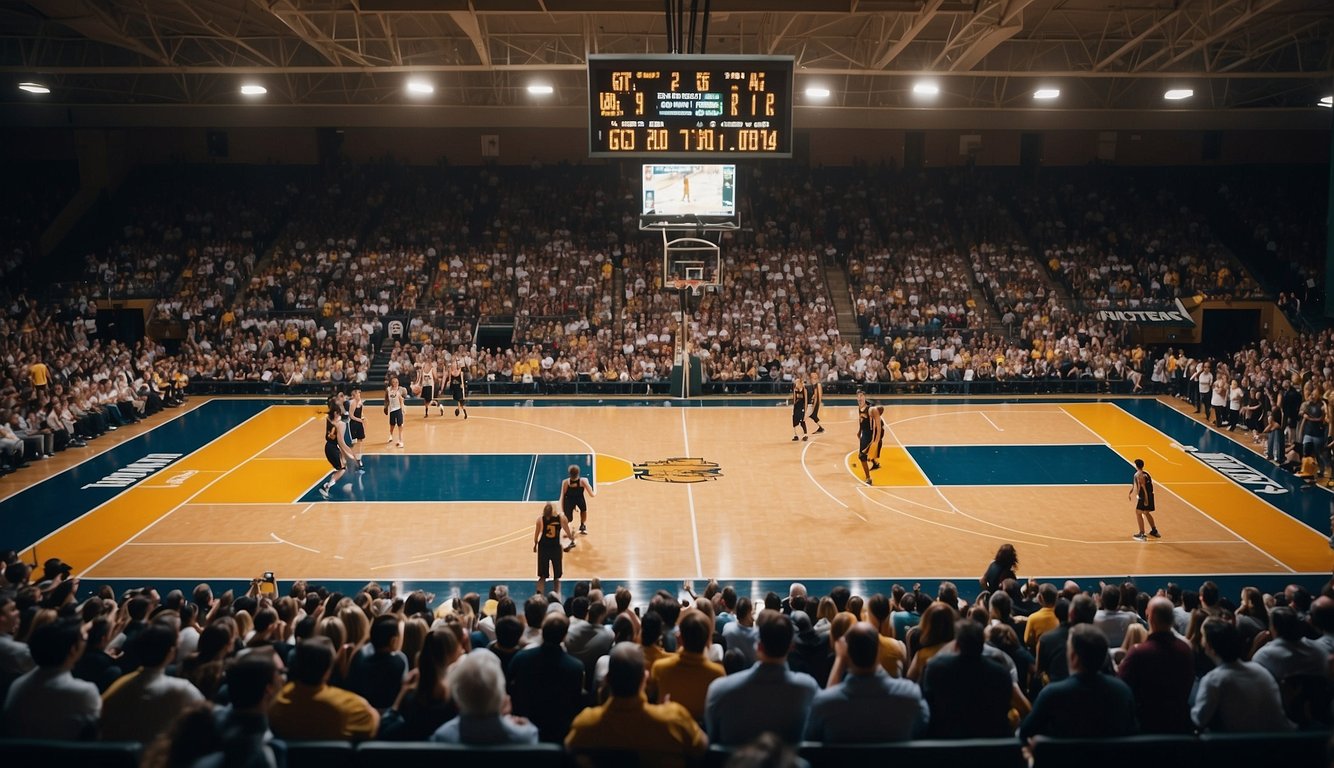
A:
(395, 398)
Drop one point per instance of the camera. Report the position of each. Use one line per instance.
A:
(268, 585)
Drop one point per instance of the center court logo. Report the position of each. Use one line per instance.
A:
(1237, 472)
(678, 470)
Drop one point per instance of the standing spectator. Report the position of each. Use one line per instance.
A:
(1001, 568)
(142, 704)
(477, 686)
(868, 705)
(548, 682)
(1088, 704)
(1160, 673)
(48, 702)
(309, 708)
(1235, 695)
(686, 676)
(663, 734)
(767, 697)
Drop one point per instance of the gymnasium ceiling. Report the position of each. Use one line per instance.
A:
(1273, 56)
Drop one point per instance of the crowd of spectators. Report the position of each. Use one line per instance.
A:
(664, 675)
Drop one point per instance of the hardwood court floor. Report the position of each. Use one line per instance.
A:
(460, 500)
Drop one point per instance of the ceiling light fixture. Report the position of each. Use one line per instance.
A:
(926, 88)
(1327, 102)
(541, 89)
(1046, 94)
(251, 89)
(34, 88)
(420, 88)
(1177, 94)
(816, 92)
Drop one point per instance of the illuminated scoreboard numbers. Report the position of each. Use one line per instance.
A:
(690, 106)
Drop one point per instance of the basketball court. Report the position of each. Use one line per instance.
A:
(685, 490)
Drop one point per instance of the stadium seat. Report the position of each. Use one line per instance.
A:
(92, 754)
(316, 754)
(1139, 751)
(1301, 749)
(993, 753)
(431, 755)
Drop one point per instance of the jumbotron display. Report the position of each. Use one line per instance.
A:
(690, 106)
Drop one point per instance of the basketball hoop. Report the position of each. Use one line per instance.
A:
(695, 286)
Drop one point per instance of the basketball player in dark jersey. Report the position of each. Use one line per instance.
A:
(865, 434)
(335, 448)
(357, 427)
(572, 491)
(1142, 493)
(546, 543)
(877, 433)
(799, 408)
(457, 391)
(816, 396)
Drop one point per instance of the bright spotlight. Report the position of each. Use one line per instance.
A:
(925, 88)
(1177, 94)
(34, 88)
(251, 89)
(541, 89)
(816, 92)
(1046, 94)
(420, 88)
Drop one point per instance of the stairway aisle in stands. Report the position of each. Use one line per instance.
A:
(849, 329)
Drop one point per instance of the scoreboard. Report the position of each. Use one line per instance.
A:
(689, 106)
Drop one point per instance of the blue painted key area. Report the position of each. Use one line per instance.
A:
(501, 477)
(1022, 465)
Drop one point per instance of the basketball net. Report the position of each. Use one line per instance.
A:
(696, 287)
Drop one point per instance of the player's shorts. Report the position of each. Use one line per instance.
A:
(549, 561)
(396, 418)
(358, 430)
(334, 456)
(428, 393)
(1144, 505)
(457, 394)
(569, 505)
(863, 446)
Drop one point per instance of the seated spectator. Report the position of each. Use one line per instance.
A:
(810, 650)
(15, 659)
(1322, 618)
(969, 694)
(664, 734)
(1088, 704)
(686, 676)
(509, 631)
(868, 705)
(742, 634)
(477, 686)
(548, 682)
(422, 707)
(588, 638)
(47, 702)
(309, 708)
(1160, 673)
(1044, 619)
(378, 668)
(767, 697)
(1288, 654)
(142, 704)
(253, 684)
(892, 651)
(1110, 619)
(1235, 695)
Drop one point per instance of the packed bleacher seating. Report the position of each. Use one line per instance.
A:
(270, 291)
(602, 671)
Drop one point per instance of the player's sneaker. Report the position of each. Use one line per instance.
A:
(456, 412)
(1139, 537)
(868, 481)
(820, 431)
(400, 443)
(442, 409)
(570, 546)
(804, 438)
(875, 465)
(1155, 534)
(583, 530)
(324, 491)
(794, 438)
(361, 469)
